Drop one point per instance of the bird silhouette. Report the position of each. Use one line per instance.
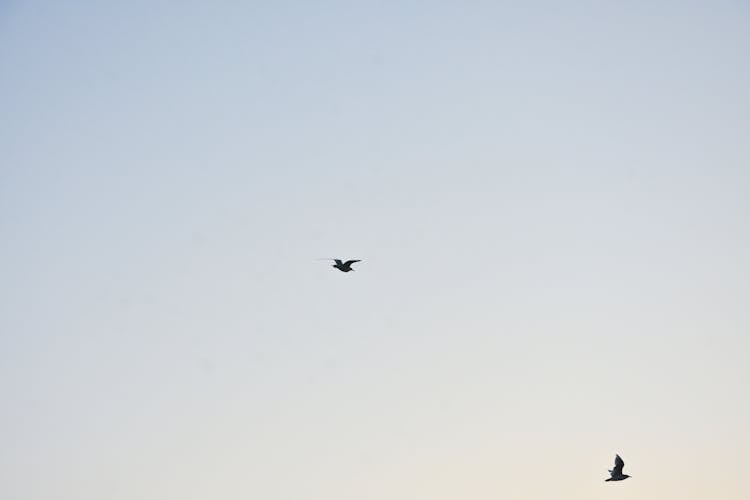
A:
(616, 473)
(344, 267)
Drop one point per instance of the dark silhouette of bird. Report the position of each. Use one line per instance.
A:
(344, 267)
(616, 473)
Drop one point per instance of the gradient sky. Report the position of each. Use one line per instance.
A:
(551, 199)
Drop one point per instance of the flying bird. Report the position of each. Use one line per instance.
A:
(616, 473)
(344, 267)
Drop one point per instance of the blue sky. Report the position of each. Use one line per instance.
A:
(551, 205)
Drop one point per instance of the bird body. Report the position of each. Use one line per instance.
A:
(342, 266)
(616, 473)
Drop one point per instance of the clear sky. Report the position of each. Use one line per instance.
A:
(552, 205)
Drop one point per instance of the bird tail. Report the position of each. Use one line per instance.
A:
(610, 479)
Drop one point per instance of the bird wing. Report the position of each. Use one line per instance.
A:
(619, 464)
(338, 262)
(350, 262)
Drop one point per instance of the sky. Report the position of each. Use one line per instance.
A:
(550, 201)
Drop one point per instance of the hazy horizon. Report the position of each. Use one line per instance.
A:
(551, 205)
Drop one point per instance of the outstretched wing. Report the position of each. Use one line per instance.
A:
(349, 262)
(619, 464)
(338, 262)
